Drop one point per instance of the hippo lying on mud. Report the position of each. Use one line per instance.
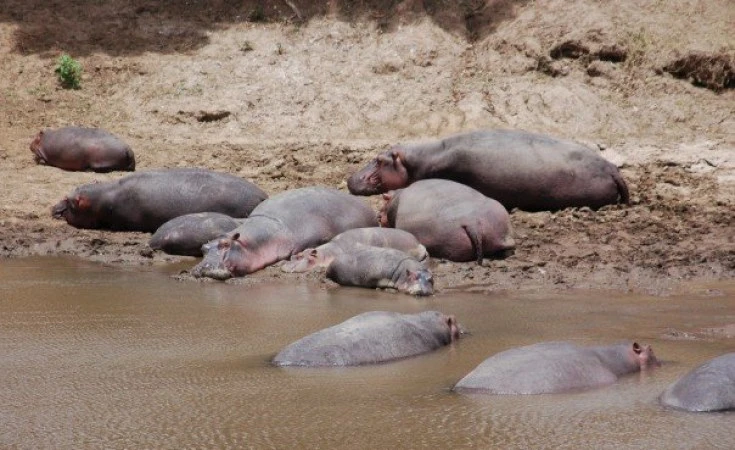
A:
(323, 255)
(282, 226)
(554, 367)
(451, 220)
(381, 267)
(146, 200)
(78, 149)
(372, 337)
(185, 235)
(522, 170)
(709, 387)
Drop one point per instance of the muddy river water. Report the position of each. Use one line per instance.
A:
(101, 357)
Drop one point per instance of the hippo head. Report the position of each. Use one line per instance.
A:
(77, 211)
(643, 356)
(414, 279)
(304, 261)
(384, 173)
(454, 329)
(212, 265)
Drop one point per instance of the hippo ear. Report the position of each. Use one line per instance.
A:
(313, 253)
(384, 159)
(387, 196)
(636, 348)
(81, 202)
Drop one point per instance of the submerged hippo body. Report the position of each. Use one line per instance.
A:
(372, 337)
(554, 367)
(381, 267)
(185, 235)
(522, 170)
(78, 149)
(146, 200)
(282, 226)
(451, 220)
(709, 387)
(323, 255)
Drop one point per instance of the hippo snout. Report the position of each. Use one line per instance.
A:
(58, 210)
(423, 285)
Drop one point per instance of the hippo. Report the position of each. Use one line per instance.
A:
(709, 387)
(146, 200)
(521, 170)
(185, 235)
(555, 367)
(80, 149)
(372, 337)
(280, 227)
(323, 255)
(452, 220)
(380, 267)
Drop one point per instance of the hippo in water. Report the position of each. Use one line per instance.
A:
(554, 367)
(380, 267)
(77, 149)
(282, 226)
(323, 255)
(451, 220)
(146, 200)
(709, 387)
(185, 235)
(372, 337)
(522, 170)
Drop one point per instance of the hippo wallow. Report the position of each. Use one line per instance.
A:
(555, 367)
(80, 149)
(372, 337)
(146, 200)
(452, 220)
(707, 388)
(185, 235)
(282, 226)
(522, 170)
(323, 255)
(381, 267)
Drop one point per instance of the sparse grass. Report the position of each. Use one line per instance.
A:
(638, 45)
(246, 47)
(69, 71)
(279, 49)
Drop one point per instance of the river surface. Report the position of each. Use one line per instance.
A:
(99, 357)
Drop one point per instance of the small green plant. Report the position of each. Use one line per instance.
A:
(69, 71)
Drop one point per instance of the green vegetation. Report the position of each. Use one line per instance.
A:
(69, 71)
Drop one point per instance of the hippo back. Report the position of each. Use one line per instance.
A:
(709, 387)
(314, 215)
(544, 368)
(368, 338)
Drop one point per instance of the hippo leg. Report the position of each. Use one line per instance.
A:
(476, 243)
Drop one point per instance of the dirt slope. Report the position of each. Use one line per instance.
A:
(296, 93)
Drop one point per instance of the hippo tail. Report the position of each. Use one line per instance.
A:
(131, 160)
(622, 187)
(476, 243)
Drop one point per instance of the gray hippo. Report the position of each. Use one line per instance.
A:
(78, 149)
(323, 255)
(380, 267)
(370, 338)
(709, 387)
(453, 221)
(522, 170)
(185, 235)
(554, 367)
(146, 200)
(282, 226)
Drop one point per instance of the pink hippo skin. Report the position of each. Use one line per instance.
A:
(79, 149)
(555, 367)
(451, 220)
(522, 170)
(282, 226)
